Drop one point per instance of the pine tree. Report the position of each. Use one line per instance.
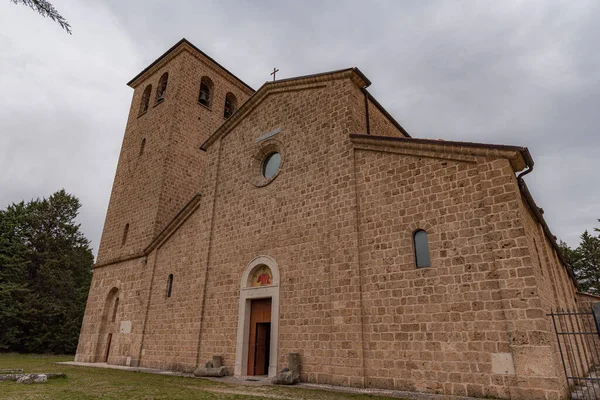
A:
(13, 282)
(587, 264)
(568, 253)
(45, 260)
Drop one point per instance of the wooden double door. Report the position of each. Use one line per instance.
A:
(260, 337)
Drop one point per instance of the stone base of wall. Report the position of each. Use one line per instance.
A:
(586, 300)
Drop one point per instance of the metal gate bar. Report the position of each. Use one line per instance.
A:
(579, 345)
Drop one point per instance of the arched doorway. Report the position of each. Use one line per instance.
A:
(108, 326)
(258, 319)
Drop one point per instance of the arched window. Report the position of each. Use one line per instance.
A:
(170, 285)
(206, 88)
(110, 305)
(115, 308)
(125, 232)
(161, 90)
(142, 146)
(230, 105)
(145, 99)
(421, 249)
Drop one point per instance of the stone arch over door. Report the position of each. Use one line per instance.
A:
(257, 283)
(107, 332)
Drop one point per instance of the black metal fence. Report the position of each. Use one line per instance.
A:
(579, 344)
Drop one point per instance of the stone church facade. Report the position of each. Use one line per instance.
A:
(302, 218)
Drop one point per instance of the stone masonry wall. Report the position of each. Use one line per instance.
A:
(290, 220)
(150, 188)
(173, 323)
(380, 125)
(585, 301)
(556, 288)
(423, 326)
(131, 279)
(135, 194)
(444, 328)
(193, 124)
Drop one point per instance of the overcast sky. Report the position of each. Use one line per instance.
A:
(510, 72)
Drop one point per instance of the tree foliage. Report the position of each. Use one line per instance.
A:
(585, 261)
(46, 9)
(45, 274)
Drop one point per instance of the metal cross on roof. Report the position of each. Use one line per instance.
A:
(275, 70)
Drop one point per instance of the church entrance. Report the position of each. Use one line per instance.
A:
(256, 347)
(260, 337)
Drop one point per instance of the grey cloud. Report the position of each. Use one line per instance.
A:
(523, 73)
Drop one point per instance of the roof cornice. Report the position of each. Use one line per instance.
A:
(306, 81)
(176, 49)
(518, 156)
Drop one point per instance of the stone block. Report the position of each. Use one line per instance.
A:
(294, 363)
(286, 378)
(211, 372)
(503, 364)
(33, 378)
(217, 361)
(534, 361)
(125, 327)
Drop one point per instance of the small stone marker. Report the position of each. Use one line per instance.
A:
(217, 361)
(29, 378)
(294, 363)
(213, 369)
(290, 375)
(33, 378)
(268, 135)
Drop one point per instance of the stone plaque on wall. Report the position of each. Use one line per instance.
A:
(125, 327)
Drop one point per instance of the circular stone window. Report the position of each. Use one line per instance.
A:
(266, 163)
(271, 165)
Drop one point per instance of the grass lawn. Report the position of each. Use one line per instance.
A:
(84, 383)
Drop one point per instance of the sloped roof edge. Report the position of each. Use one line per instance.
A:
(391, 140)
(173, 48)
(182, 215)
(387, 114)
(262, 92)
(171, 227)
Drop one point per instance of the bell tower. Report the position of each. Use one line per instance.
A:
(178, 102)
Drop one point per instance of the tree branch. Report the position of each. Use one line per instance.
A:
(46, 9)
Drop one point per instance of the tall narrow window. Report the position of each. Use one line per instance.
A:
(161, 90)
(230, 105)
(421, 249)
(125, 232)
(115, 308)
(142, 146)
(145, 99)
(170, 285)
(206, 88)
